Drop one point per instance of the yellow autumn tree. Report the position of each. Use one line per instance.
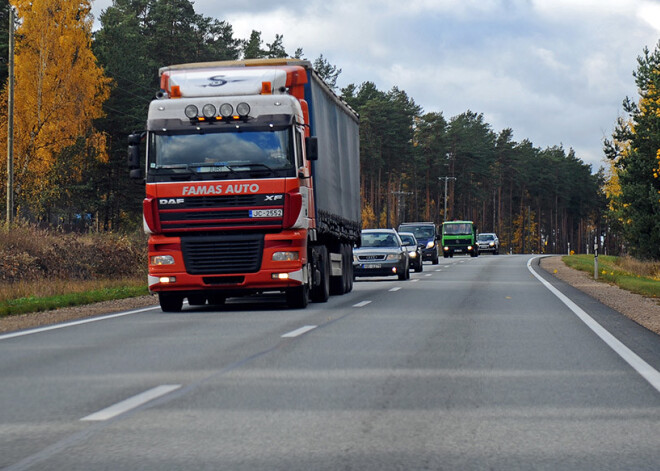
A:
(59, 91)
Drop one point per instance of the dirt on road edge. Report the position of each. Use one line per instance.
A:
(644, 311)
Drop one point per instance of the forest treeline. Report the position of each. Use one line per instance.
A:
(80, 93)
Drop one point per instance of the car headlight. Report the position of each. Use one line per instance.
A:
(412, 254)
(430, 244)
(393, 256)
(492, 244)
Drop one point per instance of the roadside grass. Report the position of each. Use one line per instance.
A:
(627, 273)
(26, 297)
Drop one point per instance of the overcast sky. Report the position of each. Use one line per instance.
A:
(554, 71)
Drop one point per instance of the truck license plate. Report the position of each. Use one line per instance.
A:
(265, 213)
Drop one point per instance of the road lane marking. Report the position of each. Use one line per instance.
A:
(415, 280)
(74, 323)
(644, 369)
(298, 332)
(396, 288)
(362, 304)
(438, 270)
(428, 274)
(131, 403)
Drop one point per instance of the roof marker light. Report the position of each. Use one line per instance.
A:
(266, 88)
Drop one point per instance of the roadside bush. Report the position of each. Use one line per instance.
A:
(28, 253)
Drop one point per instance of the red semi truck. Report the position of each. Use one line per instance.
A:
(252, 183)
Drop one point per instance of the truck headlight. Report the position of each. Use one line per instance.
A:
(285, 256)
(162, 260)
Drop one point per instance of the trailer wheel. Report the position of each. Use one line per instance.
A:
(170, 302)
(321, 291)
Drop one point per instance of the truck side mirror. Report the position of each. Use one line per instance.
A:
(134, 155)
(312, 148)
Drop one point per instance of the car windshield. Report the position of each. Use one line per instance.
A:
(421, 232)
(485, 237)
(374, 239)
(407, 238)
(457, 229)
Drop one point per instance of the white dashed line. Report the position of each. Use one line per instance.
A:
(362, 304)
(396, 288)
(132, 402)
(298, 332)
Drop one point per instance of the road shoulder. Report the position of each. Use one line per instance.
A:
(642, 310)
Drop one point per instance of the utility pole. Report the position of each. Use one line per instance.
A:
(10, 123)
(446, 179)
(399, 194)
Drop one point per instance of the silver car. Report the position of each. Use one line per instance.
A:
(488, 242)
(381, 253)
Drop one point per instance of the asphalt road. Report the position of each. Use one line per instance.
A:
(472, 364)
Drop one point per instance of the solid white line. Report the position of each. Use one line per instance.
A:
(297, 332)
(362, 304)
(647, 371)
(73, 323)
(396, 288)
(132, 402)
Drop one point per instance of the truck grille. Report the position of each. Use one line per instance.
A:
(217, 255)
(457, 242)
(200, 213)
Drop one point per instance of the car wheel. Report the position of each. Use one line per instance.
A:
(420, 267)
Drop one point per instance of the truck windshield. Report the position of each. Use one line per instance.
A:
(421, 232)
(457, 229)
(217, 152)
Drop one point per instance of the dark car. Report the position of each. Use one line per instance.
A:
(414, 250)
(427, 237)
(381, 253)
(488, 242)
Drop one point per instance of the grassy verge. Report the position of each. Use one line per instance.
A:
(76, 295)
(637, 277)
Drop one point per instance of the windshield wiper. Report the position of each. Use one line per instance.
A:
(239, 167)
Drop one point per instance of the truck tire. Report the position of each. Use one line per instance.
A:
(321, 291)
(341, 284)
(170, 302)
(298, 297)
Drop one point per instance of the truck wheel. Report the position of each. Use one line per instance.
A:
(338, 284)
(321, 292)
(197, 300)
(170, 302)
(298, 297)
